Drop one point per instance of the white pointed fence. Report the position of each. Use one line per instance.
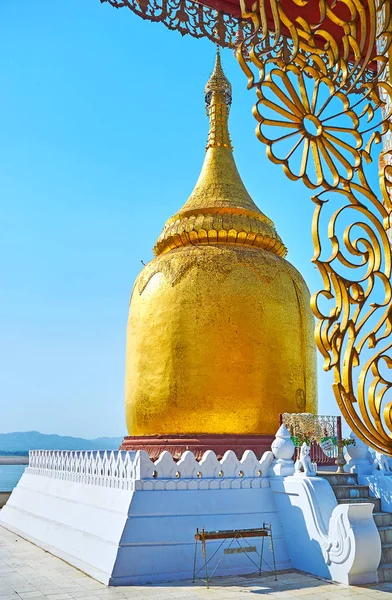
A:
(135, 470)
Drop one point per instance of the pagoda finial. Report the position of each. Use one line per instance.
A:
(220, 203)
(218, 101)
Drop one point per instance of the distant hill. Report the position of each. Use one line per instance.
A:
(22, 441)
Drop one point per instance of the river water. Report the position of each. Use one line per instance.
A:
(9, 476)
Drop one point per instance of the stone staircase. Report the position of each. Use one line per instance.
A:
(348, 491)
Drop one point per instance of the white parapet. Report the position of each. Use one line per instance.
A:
(125, 520)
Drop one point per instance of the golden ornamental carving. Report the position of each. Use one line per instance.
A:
(228, 227)
(189, 18)
(323, 107)
(310, 126)
(176, 265)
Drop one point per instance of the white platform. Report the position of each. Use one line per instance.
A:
(125, 520)
(125, 526)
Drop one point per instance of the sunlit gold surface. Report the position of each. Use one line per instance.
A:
(219, 210)
(220, 340)
(321, 112)
(220, 332)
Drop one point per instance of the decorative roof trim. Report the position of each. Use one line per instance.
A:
(189, 17)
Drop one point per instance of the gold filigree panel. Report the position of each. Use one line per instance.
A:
(324, 104)
(189, 18)
(225, 226)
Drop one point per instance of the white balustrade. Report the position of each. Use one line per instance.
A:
(135, 471)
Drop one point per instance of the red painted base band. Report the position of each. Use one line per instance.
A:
(198, 444)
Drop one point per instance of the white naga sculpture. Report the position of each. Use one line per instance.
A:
(382, 462)
(303, 465)
(359, 459)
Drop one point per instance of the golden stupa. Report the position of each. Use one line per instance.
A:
(220, 331)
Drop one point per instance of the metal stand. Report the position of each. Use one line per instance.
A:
(235, 535)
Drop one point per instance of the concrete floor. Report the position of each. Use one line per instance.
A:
(27, 572)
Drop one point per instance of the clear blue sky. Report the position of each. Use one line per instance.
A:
(103, 130)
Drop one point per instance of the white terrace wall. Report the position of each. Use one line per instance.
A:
(124, 519)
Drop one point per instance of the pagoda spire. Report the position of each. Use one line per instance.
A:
(218, 102)
(220, 209)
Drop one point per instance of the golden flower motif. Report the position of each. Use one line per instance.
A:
(323, 142)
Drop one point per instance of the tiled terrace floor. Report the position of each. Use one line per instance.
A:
(27, 572)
